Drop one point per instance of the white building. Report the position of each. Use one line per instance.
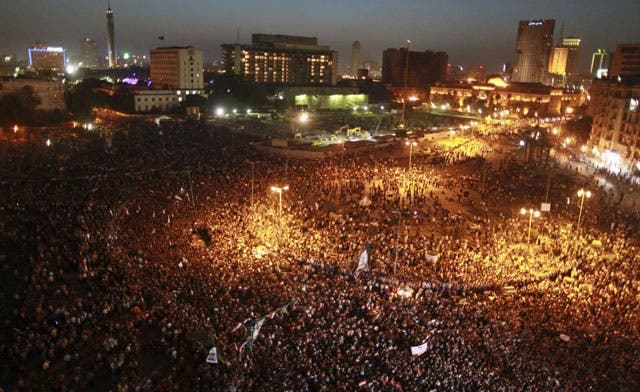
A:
(175, 68)
(161, 101)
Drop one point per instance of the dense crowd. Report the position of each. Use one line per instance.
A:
(127, 257)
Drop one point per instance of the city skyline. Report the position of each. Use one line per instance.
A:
(456, 27)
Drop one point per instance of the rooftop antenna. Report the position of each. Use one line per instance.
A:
(237, 35)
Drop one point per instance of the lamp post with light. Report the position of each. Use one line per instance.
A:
(395, 260)
(532, 213)
(411, 145)
(279, 190)
(582, 194)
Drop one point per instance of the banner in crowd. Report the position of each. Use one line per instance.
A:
(213, 355)
(433, 258)
(419, 350)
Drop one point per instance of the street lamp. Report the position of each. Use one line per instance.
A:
(411, 145)
(395, 260)
(582, 194)
(302, 118)
(279, 190)
(532, 213)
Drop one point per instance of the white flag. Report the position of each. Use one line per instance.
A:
(213, 356)
(256, 329)
(419, 350)
(364, 260)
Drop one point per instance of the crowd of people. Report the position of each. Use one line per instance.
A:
(126, 259)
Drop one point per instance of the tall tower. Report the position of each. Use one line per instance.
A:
(355, 58)
(111, 38)
(533, 49)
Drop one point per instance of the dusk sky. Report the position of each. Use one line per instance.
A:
(472, 32)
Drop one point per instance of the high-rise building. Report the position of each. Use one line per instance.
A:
(355, 58)
(599, 63)
(533, 49)
(282, 59)
(625, 61)
(88, 53)
(177, 67)
(423, 69)
(47, 58)
(558, 61)
(573, 46)
(615, 133)
(111, 38)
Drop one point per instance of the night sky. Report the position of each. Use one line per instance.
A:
(473, 32)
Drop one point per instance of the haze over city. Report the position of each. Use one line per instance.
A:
(471, 32)
(367, 196)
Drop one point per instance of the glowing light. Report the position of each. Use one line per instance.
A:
(248, 111)
(583, 193)
(303, 117)
(413, 98)
(522, 143)
(220, 112)
(126, 55)
(48, 143)
(70, 69)
(15, 129)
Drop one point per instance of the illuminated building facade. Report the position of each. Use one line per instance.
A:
(524, 98)
(89, 53)
(282, 59)
(157, 101)
(625, 61)
(533, 49)
(177, 67)
(572, 44)
(615, 133)
(558, 61)
(599, 63)
(48, 58)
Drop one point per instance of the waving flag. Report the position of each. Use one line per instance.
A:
(363, 263)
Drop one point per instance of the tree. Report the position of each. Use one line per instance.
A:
(19, 107)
